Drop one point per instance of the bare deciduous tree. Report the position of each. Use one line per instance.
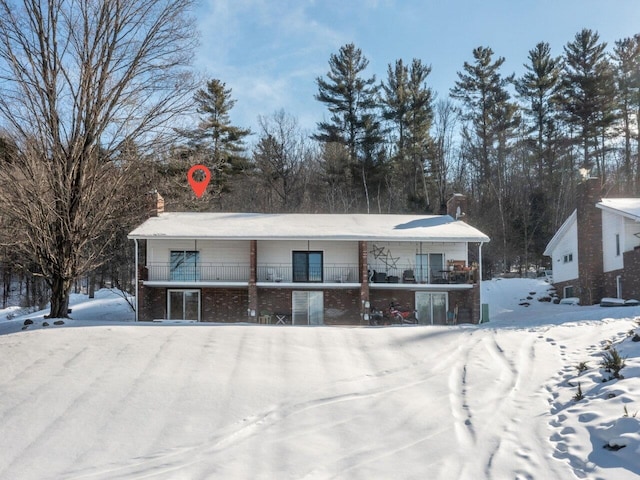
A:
(279, 157)
(78, 81)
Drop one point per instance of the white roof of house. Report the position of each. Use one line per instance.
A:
(293, 226)
(627, 207)
(564, 228)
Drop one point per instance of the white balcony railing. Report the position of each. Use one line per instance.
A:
(206, 272)
(328, 273)
(280, 272)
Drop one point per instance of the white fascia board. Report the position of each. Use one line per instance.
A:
(564, 228)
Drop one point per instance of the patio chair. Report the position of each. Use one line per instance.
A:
(343, 277)
(273, 276)
(408, 277)
(264, 317)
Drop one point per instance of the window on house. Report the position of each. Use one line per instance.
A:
(568, 258)
(568, 292)
(307, 266)
(429, 263)
(184, 265)
(617, 244)
(183, 305)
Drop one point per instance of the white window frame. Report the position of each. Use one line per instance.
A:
(566, 289)
(182, 272)
(183, 291)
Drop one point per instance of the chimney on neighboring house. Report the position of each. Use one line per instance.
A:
(457, 207)
(589, 223)
(156, 204)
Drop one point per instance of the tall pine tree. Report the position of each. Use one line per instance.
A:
(215, 141)
(354, 123)
(538, 88)
(626, 55)
(408, 105)
(588, 94)
(491, 119)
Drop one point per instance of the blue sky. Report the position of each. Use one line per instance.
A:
(271, 51)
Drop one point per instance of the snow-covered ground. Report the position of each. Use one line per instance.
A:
(102, 398)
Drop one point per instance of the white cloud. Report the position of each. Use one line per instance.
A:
(269, 53)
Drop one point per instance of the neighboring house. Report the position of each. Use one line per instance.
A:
(306, 268)
(596, 251)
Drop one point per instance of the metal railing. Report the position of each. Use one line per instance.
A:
(413, 274)
(328, 273)
(279, 272)
(205, 272)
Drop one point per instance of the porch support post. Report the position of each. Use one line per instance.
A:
(252, 310)
(480, 318)
(137, 254)
(363, 265)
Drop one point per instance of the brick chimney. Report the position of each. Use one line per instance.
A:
(457, 207)
(589, 221)
(156, 204)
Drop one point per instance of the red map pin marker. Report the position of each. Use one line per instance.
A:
(199, 186)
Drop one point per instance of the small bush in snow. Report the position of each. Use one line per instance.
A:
(579, 395)
(582, 366)
(626, 413)
(613, 362)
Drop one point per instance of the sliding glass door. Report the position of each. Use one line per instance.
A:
(307, 307)
(432, 308)
(183, 305)
(429, 267)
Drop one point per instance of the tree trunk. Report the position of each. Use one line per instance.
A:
(60, 289)
(92, 284)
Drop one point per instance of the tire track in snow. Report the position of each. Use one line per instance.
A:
(501, 425)
(257, 426)
(41, 395)
(163, 361)
(489, 414)
(459, 405)
(72, 404)
(46, 358)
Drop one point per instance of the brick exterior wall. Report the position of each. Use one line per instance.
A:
(590, 263)
(152, 303)
(363, 266)
(341, 306)
(609, 284)
(457, 200)
(274, 300)
(381, 299)
(227, 305)
(468, 302)
(253, 278)
(631, 275)
(560, 286)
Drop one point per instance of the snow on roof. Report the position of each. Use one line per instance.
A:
(627, 207)
(280, 226)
